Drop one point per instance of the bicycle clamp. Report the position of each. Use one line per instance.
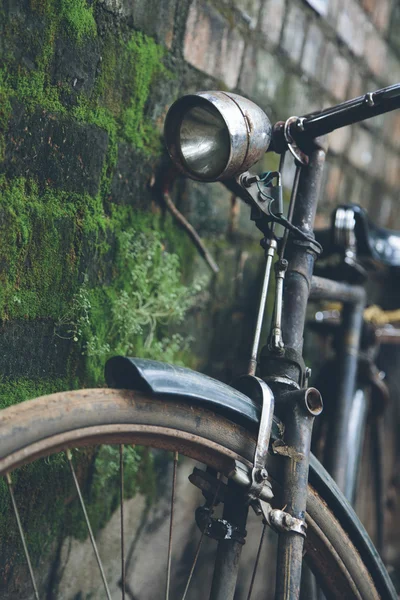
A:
(282, 521)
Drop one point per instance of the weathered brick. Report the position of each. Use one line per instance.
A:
(378, 203)
(334, 7)
(339, 140)
(376, 53)
(394, 25)
(150, 16)
(336, 74)
(320, 6)
(352, 26)
(32, 348)
(332, 184)
(294, 32)
(211, 45)
(271, 19)
(379, 11)
(313, 53)
(207, 207)
(58, 151)
(392, 169)
(360, 152)
(75, 66)
(392, 128)
(356, 85)
(262, 76)
(378, 162)
(357, 190)
(391, 72)
(128, 190)
(249, 9)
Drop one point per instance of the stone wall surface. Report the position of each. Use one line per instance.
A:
(85, 88)
(91, 262)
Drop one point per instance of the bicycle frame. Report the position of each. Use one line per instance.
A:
(280, 363)
(299, 286)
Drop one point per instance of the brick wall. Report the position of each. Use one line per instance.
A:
(293, 57)
(83, 96)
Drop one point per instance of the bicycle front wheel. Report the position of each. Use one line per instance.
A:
(50, 424)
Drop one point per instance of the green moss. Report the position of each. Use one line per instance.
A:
(15, 391)
(134, 313)
(144, 57)
(5, 110)
(128, 73)
(50, 238)
(79, 19)
(42, 235)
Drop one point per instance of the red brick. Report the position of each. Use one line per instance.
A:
(352, 26)
(336, 73)
(271, 19)
(312, 58)
(339, 140)
(392, 170)
(294, 32)
(379, 11)
(211, 45)
(360, 152)
(332, 184)
(376, 54)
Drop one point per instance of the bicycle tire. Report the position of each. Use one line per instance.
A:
(48, 424)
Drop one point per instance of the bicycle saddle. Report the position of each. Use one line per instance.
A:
(353, 231)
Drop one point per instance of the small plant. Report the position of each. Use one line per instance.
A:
(146, 300)
(73, 323)
(154, 297)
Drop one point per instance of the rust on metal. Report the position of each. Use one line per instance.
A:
(279, 447)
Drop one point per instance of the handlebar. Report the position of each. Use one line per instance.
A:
(351, 111)
(317, 124)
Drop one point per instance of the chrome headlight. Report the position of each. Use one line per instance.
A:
(216, 135)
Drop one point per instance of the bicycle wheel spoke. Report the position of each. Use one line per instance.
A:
(171, 521)
(78, 489)
(196, 556)
(253, 577)
(21, 534)
(121, 487)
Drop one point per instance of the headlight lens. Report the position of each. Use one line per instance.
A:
(204, 141)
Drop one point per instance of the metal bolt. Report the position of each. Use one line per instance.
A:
(248, 181)
(260, 475)
(308, 372)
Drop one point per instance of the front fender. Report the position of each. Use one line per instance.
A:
(160, 378)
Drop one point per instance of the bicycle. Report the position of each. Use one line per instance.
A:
(254, 436)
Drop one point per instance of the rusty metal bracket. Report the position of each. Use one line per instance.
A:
(260, 392)
(282, 521)
(298, 154)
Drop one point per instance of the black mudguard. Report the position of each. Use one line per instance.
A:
(160, 378)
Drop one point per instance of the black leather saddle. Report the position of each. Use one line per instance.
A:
(351, 221)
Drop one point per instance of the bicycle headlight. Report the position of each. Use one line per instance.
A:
(216, 135)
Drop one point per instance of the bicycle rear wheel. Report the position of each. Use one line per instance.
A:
(46, 425)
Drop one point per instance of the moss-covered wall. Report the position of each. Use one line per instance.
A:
(84, 244)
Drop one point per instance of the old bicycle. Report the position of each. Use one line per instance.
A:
(251, 459)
